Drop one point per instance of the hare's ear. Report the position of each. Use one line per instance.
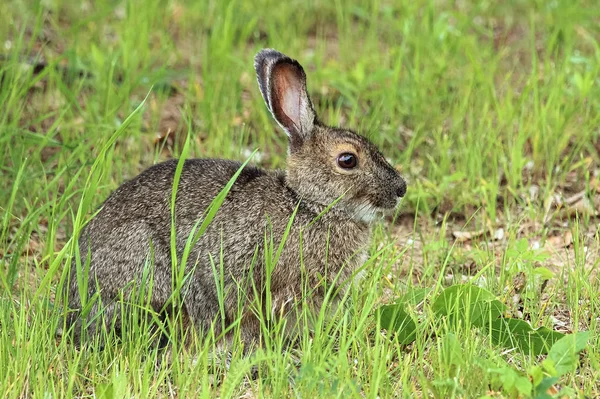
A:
(282, 82)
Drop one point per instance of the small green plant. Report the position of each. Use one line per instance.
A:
(466, 305)
(539, 381)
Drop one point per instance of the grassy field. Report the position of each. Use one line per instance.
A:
(491, 110)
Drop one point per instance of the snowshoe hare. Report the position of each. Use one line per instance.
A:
(325, 243)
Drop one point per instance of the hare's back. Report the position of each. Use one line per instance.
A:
(148, 196)
(254, 194)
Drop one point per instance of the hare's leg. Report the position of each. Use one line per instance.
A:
(89, 322)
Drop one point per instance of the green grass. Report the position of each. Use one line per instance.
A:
(490, 109)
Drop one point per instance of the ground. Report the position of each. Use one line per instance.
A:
(489, 109)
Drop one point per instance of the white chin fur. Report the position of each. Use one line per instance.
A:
(368, 214)
(398, 202)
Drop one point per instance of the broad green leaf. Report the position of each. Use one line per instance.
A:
(548, 366)
(116, 389)
(522, 245)
(541, 390)
(515, 333)
(395, 319)
(468, 303)
(482, 313)
(543, 272)
(508, 378)
(565, 352)
(537, 374)
(524, 386)
(451, 350)
(415, 296)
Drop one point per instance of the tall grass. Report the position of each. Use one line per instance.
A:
(490, 109)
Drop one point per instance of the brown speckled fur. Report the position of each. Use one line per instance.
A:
(135, 221)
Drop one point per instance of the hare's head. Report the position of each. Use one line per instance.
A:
(325, 164)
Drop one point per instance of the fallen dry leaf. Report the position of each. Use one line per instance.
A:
(462, 236)
(560, 241)
(581, 206)
(575, 198)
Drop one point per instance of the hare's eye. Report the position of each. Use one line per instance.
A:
(346, 160)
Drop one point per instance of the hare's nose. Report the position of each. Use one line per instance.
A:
(401, 190)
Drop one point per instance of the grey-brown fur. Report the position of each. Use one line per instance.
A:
(135, 220)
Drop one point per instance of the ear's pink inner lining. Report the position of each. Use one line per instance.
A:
(289, 90)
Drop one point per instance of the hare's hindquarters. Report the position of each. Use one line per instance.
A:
(125, 264)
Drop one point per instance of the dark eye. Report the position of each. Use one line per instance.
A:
(347, 160)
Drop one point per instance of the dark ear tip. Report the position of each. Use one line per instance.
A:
(269, 55)
(269, 52)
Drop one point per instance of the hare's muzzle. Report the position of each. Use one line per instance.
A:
(401, 189)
